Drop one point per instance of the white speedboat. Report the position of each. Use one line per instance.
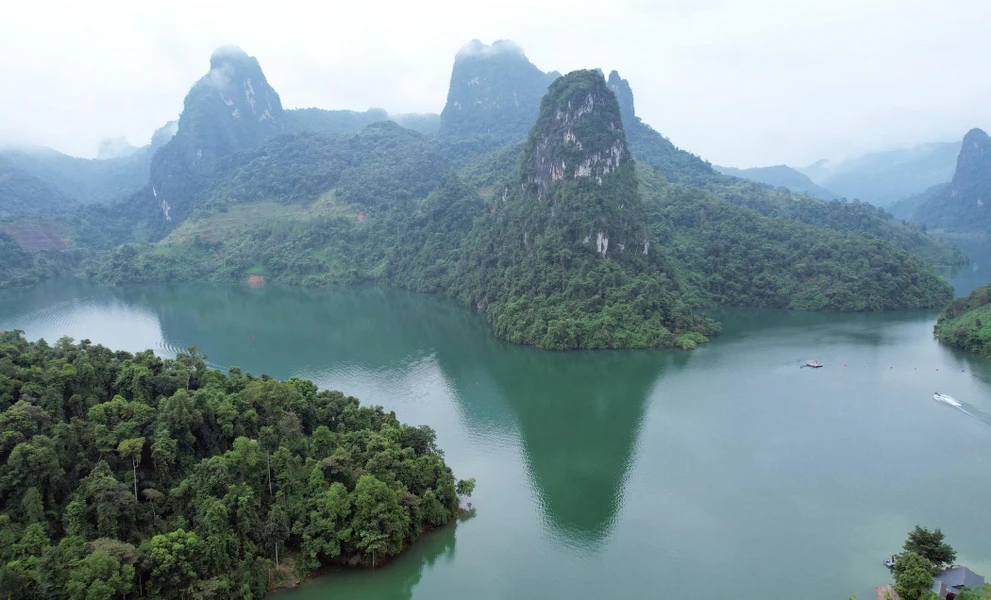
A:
(947, 400)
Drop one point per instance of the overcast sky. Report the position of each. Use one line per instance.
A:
(741, 83)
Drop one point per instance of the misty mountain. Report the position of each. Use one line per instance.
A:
(23, 193)
(964, 204)
(115, 148)
(780, 176)
(494, 95)
(882, 178)
(231, 108)
(87, 180)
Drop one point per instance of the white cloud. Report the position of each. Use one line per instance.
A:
(740, 83)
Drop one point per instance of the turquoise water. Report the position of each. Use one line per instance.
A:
(727, 471)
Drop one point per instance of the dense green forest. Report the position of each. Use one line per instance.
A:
(131, 475)
(739, 257)
(966, 322)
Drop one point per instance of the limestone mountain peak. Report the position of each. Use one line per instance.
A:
(576, 161)
(494, 93)
(230, 109)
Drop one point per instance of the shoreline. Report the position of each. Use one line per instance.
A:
(342, 563)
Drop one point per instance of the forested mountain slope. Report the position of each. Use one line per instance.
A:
(739, 257)
(681, 167)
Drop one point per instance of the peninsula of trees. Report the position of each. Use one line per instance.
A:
(966, 322)
(132, 476)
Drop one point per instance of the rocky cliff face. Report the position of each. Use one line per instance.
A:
(231, 108)
(964, 204)
(577, 176)
(495, 91)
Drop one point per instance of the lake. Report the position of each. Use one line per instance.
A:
(727, 471)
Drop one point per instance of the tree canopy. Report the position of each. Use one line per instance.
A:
(129, 474)
(930, 545)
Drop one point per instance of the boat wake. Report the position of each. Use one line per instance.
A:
(978, 413)
(947, 400)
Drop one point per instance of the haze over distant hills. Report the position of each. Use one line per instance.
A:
(882, 178)
(120, 171)
(780, 176)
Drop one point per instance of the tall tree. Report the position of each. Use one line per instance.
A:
(930, 545)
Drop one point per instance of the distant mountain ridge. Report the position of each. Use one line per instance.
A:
(780, 176)
(883, 178)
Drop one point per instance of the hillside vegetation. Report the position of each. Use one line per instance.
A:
(127, 474)
(966, 322)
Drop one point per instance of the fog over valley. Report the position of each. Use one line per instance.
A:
(741, 84)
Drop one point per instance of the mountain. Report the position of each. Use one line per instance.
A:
(649, 146)
(565, 260)
(91, 181)
(494, 95)
(883, 178)
(23, 193)
(738, 255)
(964, 204)
(780, 176)
(230, 109)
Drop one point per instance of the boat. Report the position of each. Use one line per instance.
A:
(813, 363)
(890, 562)
(947, 400)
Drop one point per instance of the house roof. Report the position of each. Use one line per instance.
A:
(958, 577)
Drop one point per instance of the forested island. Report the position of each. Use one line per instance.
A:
(966, 322)
(129, 475)
(540, 200)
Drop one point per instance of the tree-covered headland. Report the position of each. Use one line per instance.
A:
(131, 476)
